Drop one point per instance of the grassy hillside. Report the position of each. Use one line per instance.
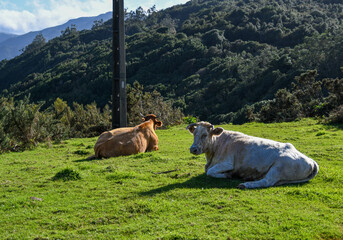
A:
(130, 197)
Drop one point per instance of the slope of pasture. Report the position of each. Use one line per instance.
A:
(125, 198)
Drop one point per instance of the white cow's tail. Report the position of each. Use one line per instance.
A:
(314, 172)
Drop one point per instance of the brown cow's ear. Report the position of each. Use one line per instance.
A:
(158, 123)
(217, 131)
(191, 127)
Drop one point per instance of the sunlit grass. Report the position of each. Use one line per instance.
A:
(166, 195)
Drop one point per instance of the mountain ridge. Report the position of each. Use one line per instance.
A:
(5, 36)
(10, 47)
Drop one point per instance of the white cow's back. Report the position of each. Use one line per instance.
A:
(252, 157)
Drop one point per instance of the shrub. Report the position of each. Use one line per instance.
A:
(336, 116)
(139, 101)
(190, 119)
(335, 95)
(67, 174)
(22, 124)
(84, 121)
(285, 107)
(308, 91)
(89, 121)
(308, 98)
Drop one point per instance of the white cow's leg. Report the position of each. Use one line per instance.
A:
(271, 178)
(219, 170)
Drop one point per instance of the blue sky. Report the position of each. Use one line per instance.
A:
(22, 16)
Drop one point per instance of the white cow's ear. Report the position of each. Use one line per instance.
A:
(217, 131)
(191, 127)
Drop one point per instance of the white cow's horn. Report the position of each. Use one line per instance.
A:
(191, 125)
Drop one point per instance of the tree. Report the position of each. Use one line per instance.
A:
(97, 23)
(69, 30)
(38, 42)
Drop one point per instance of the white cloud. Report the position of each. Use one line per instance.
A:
(9, 21)
(47, 13)
(54, 13)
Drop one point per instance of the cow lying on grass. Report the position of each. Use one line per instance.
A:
(128, 141)
(263, 162)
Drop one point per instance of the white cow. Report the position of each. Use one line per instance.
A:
(263, 162)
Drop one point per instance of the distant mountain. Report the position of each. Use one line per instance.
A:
(5, 36)
(10, 45)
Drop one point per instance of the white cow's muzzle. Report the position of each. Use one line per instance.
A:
(195, 150)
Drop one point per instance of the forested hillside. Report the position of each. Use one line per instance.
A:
(210, 57)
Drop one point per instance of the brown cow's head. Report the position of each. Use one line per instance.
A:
(153, 118)
(203, 133)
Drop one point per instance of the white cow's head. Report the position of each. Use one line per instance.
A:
(203, 133)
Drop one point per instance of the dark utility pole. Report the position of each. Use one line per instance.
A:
(119, 108)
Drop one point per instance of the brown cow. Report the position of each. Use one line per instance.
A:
(129, 140)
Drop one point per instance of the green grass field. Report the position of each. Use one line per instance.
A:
(130, 197)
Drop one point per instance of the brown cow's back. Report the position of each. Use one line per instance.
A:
(105, 136)
(127, 141)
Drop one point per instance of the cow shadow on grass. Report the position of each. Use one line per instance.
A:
(87, 160)
(200, 182)
(205, 182)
